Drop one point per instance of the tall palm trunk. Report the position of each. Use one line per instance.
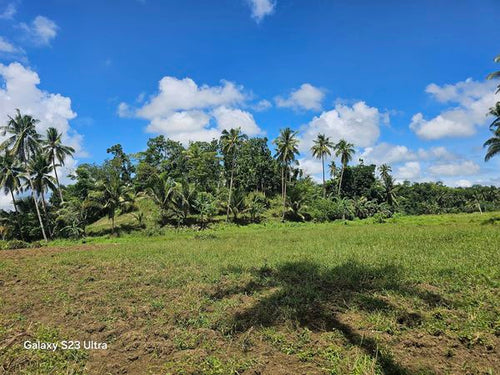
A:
(36, 202)
(27, 156)
(57, 178)
(44, 206)
(37, 209)
(323, 166)
(230, 191)
(17, 214)
(340, 181)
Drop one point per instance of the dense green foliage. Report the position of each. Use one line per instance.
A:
(198, 183)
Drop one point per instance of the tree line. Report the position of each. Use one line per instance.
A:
(233, 178)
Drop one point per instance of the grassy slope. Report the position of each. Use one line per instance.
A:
(418, 295)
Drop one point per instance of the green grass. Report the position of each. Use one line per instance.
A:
(414, 295)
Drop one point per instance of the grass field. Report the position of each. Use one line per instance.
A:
(415, 295)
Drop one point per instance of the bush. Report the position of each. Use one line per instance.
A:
(324, 210)
(379, 218)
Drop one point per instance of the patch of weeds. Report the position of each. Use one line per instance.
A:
(381, 322)
(184, 340)
(280, 342)
(307, 355)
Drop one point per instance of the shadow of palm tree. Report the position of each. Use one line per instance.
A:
(314, 296)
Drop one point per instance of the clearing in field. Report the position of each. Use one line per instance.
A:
(411, 296)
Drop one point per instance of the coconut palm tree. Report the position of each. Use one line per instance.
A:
(493, 144)
(286, 151)
(495, 112)
(388, 183)
(10, 180)
(111, 195)
(332, 168)
(163, 190)
(56, 151)
(10, 176)
(322, 147)
(345, 151)
(23, 141)
(495, 74)
(231, 141)
(385, 171)
(40, 171)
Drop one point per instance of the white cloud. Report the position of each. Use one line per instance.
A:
(184, 94)
(41, 31)
(306, 97)
(465, 168)
(184, 126)
(262, 105)
(124, 110)
(261, 8)
(463, 183)
(9, 12)
(387, 153)
(470, 101)
(408, 171)
(140, 98)
(184, 111)
(7, 47)
(20, 90)
(359, 124)
(439, 153)
(393, 154)
(228, 118)
(313, 167)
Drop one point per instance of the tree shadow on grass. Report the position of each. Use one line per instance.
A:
(313, 296)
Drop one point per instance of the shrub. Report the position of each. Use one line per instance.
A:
(324, 210)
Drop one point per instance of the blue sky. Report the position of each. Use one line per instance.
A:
(402, 80)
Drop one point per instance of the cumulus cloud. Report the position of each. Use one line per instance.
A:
(393, 154)
(465, 168)
(20, 90)
(184, 94)
(9, 12)
(228, 118)
(312, 167)
(468, 102)
(306, 97)
(387, 153)
(436, 153)
(40, 31)
(261, 8)
(408, 171)
(358, 124)
(184, 111)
